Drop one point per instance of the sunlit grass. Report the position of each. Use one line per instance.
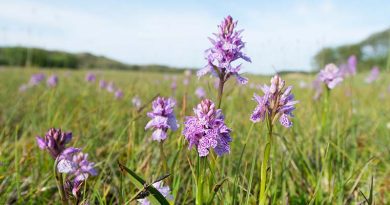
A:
(333, 168)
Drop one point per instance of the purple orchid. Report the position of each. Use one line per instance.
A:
(186, 81)
(54, 141)
(276, 103)
(174, 85)
(118, 94)
(111, 87)
(261, 110)
(72, 161)
(162, 118)
(52, 81)
(207, 130)
(136, 101)
(331, 76)
(90, 77)
(200, 92)
(374, 75)
(352, 63)
(102, 84)
(226, 49)
(36, 79)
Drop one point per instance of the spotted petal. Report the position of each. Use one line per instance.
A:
(285, 121)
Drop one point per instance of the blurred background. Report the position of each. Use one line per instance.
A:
(164, 35)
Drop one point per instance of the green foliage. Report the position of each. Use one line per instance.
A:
(41, 58)
(140, 183)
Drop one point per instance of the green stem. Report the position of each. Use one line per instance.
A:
(163, 157)
(220, 92)
(60, 184)
(264, 166)
(200, 180)
(325, 111)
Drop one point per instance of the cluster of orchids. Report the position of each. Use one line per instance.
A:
(104, 85)
(332, 75)
(205, 131)
(36, 79)
(71, 166)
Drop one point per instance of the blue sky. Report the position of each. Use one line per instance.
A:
(280, 35)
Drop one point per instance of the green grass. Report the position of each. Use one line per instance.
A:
(308, 167)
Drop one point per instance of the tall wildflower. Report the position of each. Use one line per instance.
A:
(206, 131)
(226, 49)
(162, 118)
(331, 76)
(277, 103)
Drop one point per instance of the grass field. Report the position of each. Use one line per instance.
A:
(339, 165)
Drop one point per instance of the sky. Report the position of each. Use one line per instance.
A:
(279, 35)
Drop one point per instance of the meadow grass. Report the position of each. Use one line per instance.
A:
(309, 165)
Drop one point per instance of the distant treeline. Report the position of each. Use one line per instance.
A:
(373, 51)
(37, 57)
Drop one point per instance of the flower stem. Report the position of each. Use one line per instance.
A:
(220, 91)
(325, 111)
(60, 184)
(264, 166)
(200, 180)
(163, 157)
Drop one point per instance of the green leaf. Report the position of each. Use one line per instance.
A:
(371, 197)
(155, 196)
